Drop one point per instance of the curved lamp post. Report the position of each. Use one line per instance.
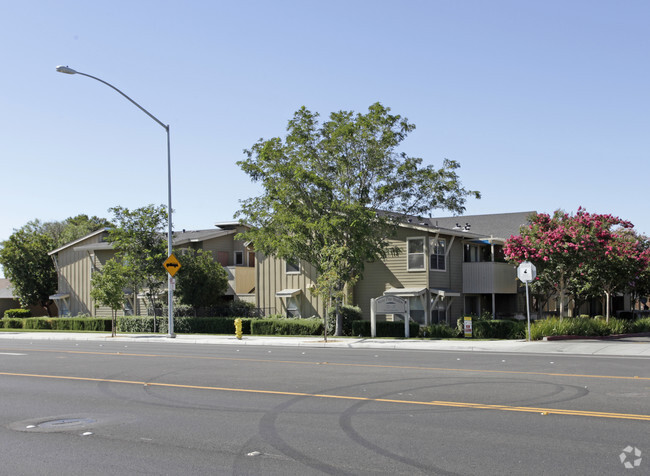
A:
(170, 290)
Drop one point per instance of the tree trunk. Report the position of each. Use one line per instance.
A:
(561, 296)
(339, 319)
(607, 301)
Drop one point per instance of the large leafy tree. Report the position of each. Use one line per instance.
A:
(77, 227)
(584, 254)
(141, 245)
(324, 184)
(201, 281)
(108, 288)
(25, 260)
(26, 263)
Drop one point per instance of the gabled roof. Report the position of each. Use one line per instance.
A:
(180, 238)
(72, 243)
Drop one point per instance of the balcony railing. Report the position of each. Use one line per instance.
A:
(489, 277)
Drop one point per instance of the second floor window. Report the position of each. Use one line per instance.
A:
(415, 259)
(438, 251)
(292, 266)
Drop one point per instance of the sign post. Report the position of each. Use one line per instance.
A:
(388, 305)
(468, 326)
(526, 272)
(172, 265)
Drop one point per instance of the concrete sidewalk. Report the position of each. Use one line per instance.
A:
(630, 347)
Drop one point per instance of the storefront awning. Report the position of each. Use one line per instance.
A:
(287, 293)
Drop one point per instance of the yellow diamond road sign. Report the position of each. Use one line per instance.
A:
(172, 265)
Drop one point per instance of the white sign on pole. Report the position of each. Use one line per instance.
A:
(526, 272)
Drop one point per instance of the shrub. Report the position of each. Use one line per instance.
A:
(141, 324)
(286, 326)
(349, 314)
(18, 313)
(12, 323)
(37, 323)
(213, 325)
(439, 331)
(578, 327)
(81, 324)
(384, 329)
(640, 325)
(498, 329)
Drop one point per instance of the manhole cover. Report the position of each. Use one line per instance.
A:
(65, 422)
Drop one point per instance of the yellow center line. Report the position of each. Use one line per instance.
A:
(435, 403)
(342, 364)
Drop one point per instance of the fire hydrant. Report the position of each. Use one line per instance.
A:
(238, 331)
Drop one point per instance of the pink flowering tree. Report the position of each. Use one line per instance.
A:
(622, 265)
(583, 254)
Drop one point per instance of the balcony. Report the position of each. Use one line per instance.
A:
(489, 277)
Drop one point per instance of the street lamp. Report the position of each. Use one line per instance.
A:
(170, 290)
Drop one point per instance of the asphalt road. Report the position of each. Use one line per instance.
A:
(136, 409)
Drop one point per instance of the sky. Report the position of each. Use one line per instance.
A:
(545, 104)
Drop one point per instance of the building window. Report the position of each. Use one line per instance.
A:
(438, 251)
(292, 307)
(239, 258)
(417, 310)
(415, 255)
(292, 267)
(128, 307)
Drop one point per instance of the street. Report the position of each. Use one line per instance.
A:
(151, 408)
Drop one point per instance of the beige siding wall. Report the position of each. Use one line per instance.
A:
(74, 276)
(271, 277)
(228, 245)
(390, 273)
(75, 270)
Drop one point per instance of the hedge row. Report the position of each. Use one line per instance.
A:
(288, 327)
(587, 327)
(58, 323)
(384, 329)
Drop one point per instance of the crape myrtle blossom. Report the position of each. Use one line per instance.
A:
(590, 254)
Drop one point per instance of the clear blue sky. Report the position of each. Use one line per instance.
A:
(544, 103)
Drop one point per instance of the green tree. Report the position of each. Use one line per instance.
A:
(323, 186)
(81, 225)
(108, 288)
(200, 281)
(140, 242)
(26, 263)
